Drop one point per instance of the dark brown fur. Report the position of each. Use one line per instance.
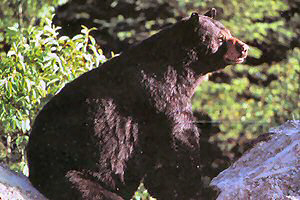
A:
(130, 120)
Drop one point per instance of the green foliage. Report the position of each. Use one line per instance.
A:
(142, 194)
(36, 67)
(23, 13)
(252, 109)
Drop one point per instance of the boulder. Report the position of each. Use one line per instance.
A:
(270, 170)
(14, 186)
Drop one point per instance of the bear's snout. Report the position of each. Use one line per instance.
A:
(237, 51)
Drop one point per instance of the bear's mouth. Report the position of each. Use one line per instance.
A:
(235, 60)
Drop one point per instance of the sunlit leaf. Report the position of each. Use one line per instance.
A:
(11, 53)
(76, 37)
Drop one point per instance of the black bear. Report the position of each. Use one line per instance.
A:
(130, 120)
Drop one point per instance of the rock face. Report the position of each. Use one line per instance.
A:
(15, 186)
(270, 170)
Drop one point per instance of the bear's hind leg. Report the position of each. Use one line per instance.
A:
(90, 189)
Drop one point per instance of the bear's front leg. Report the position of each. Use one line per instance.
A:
(174, 180)
(178, 175)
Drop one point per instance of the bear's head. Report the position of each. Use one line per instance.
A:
(216, 47)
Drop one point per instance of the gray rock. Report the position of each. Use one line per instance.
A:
(270, 170)
(14, 186)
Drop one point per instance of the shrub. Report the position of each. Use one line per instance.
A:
(36, 67)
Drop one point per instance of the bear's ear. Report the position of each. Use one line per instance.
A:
(211, 13)
(194, 17)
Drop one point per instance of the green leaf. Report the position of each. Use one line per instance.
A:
(9, 89)
(11, 53)
(79, 36)
(79, 46)
(64, 38)
(14, 28)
